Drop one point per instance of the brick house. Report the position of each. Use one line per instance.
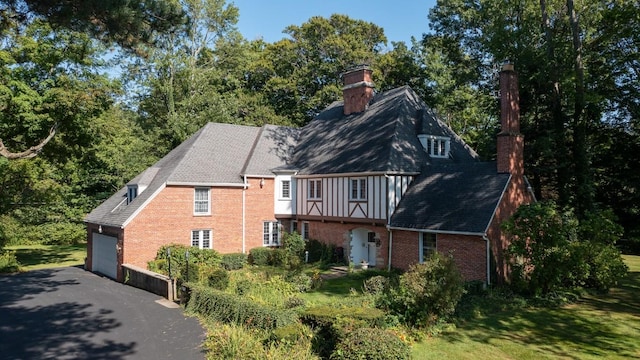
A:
(377, 175)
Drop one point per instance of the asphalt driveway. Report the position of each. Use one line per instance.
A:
(70, 313)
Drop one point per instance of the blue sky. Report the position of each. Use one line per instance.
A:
(400, 19)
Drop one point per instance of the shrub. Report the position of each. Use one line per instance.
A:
(301, 281)
(294, 244)
(178, 260)
(330, 324)
(552, 251)
(235, 261)
(426, 293)
(371, 344)
(8, 262)
(260, 256)
(243, 286)
(278, 257)
(231, 308)
(294, 302)
(319, 251)
(218, 279)
(375, 285)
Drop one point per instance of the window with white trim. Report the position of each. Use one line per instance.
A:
(202, 201)
(285, 189)
(428, 245)
(270, 233)
(314, 190)
(358, 189)
(436, 146)
(305, 230)
(201, 239)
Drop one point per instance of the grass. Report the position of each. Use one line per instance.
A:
(595, 327)
(34, 257)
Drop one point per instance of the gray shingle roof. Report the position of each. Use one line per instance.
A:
(273, 149)
(452, 198)
(215, 154)
(382, 138)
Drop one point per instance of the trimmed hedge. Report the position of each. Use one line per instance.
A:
(371, 344)
(231, 308)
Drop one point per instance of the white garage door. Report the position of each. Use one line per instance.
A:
(104, 259)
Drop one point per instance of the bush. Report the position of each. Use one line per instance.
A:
(426, 293)
(197, 258)
(319, 251)
(301, 281)
(553, 251)
(371, 344)
(375, 285)
(294, 302)
(231, 308)
(260, 256)
(235, 261)
(330, 324)
(8, 262)
(218, 279)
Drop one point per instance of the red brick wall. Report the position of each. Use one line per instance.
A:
(169, 218)
(515, 195)
(469, 252)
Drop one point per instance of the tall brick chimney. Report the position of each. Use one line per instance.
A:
(510, 142)
(357, 90)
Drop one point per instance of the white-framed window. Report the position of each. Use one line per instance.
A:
(436, 146)
(202, 201)
(305, 230)
(428, 245)
(294, 226)
(201, 239)
(314, 189)
(358, 189)
(132, 193)
(270, 233)
(285, 189)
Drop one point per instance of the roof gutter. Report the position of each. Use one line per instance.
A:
(187, 183)
(356, 174)
(449, 232)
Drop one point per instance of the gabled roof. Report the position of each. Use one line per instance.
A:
(455, 198)
(382, 138)
(217, 154)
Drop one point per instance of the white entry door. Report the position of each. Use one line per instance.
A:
(105, 258)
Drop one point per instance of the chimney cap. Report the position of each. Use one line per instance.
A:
(354, 68)
(507, 66)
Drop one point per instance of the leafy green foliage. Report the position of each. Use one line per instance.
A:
(231, 308)
(234, 261)
(320, 251)
(428, 292)
(260, 256)
(552, 250)
(8, 262)
(176, 254)
(371, 343)
(375, 285)
(218, 279)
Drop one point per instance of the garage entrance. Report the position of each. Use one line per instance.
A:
(105, 258)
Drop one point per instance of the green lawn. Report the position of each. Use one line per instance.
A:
(596, 327)
(33, 257)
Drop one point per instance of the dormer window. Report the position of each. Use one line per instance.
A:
(436, 146)
(132, 193)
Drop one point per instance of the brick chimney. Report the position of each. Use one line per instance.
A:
(510, 142)
(357, 90)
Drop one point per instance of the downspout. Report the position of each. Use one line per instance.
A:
(390, 247)
(488, 260)
(244, 190)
